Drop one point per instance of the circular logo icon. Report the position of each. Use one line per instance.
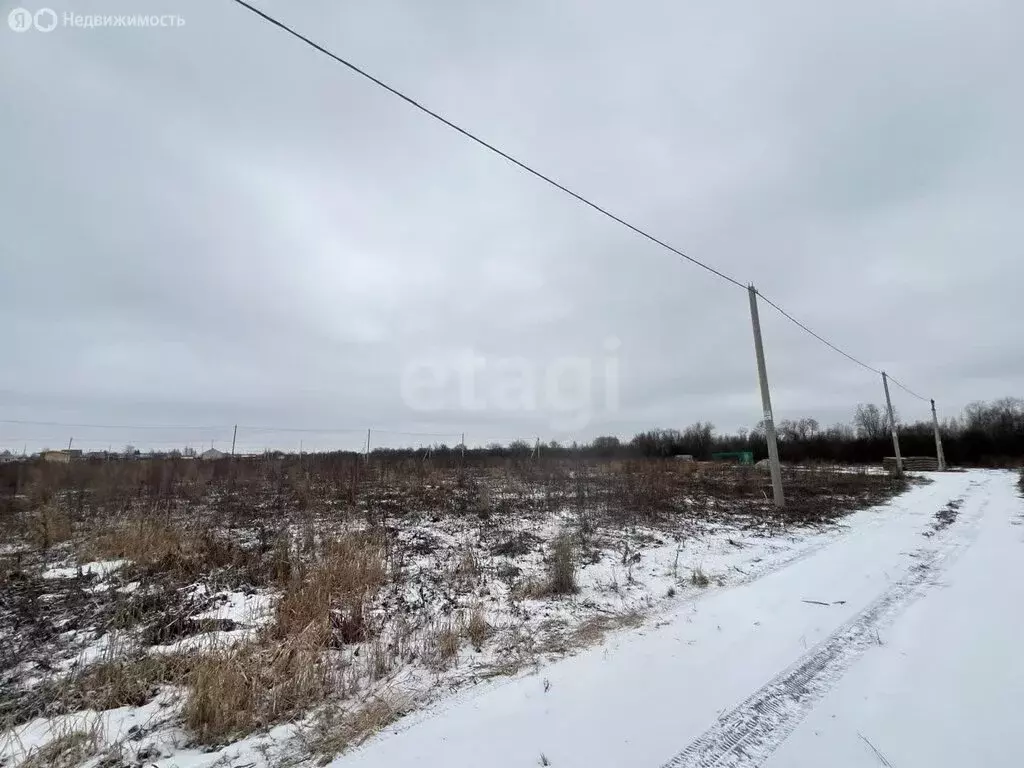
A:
(46, 19)
(20, 20)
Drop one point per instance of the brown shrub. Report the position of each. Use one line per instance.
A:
(329, 598)
(48, 526)
(109, 684)
(144, 540)
(127, 682)
(477, 628)
(234, 692)
(286, 671)
(442, 647)
(562, 567)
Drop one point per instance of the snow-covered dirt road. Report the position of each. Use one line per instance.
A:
(893, 645)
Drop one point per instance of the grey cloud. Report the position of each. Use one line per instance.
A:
(214, 224)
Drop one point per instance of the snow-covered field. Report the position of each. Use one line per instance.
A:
(894, 644)
(127, 660)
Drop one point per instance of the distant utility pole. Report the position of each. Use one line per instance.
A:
(892, 425)
(366, 457)
(766, 403)
(70, 441)
(938, 441)
(233, 436)
(462, 448)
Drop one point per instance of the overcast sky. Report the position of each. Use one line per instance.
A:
(214, 224)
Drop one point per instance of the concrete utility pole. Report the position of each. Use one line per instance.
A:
(938, 441)
(766, 403)
(233, 436)
(892, 425)
(366, 458)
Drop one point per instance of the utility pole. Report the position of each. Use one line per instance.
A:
(938, 441)
(70, 441)
(462, 449)
(366, 458)
(892, 425)
(766, 403)
(233, 436)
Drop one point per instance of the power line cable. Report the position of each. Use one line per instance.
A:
(109, 426)
(308, 430)
(828, 343)
(823, 340)
(485, 144)
(543, 177)
(906, 389)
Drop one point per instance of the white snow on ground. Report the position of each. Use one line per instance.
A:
(648, 693)
(99, 569)
(938, 691)
(945, 686)
(241, 607)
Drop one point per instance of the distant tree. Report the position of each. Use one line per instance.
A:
(658, 442)
(1003, 416)
(807, 428)
(787, 430)
(839, 433)
(869, 421)
(698, 439)
(605, 445)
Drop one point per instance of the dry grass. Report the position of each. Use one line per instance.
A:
(48, 526)
(338, 629)
(477, 628)
(66, 750)
(128, 682)
(142, 539)
(287, 670)
(698, 578)
(593, 630)
(117, 681)
(329, 598)
(442, 646)
(183, 549)
(562, 567)
(468, 569)
(336, 729)
(237, 691)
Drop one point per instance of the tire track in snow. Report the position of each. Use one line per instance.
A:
(747, 735)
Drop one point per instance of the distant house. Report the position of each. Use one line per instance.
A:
(62, 457)
(7, 456)
(213, 453)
